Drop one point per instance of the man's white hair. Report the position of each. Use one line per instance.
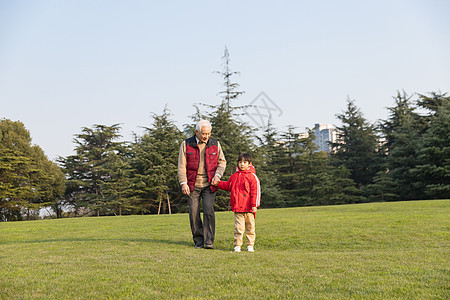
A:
(202, 123)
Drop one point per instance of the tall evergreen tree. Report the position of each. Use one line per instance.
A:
(94, 181)
(403, 130)
(356, 145)
(403, 109)
(312, 169)
(383, 187)
(388, 183)
(321, 183)
(433, 152)
(416, 147)
(403, 157)
(435, 103)
(234, 136)
(118, 187)
(155, 165)
(266, 159)
(289, 165)
(306, 176)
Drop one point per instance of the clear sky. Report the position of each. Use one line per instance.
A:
(65, 65)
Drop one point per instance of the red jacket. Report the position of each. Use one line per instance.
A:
(245, 190)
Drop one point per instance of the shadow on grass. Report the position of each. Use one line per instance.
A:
(186, 244)
(130, 240)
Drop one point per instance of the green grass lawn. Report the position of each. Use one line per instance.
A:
(394, 250)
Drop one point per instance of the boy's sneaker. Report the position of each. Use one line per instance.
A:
(250, 249)
(237, 249)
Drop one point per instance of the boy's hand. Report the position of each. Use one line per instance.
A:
(254, 209)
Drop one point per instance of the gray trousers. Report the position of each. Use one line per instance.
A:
(202, 232)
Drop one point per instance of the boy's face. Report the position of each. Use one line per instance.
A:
(243, 165)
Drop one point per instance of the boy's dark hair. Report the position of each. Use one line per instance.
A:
(245, 156)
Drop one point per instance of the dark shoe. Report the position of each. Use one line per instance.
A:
(198, 246)
(209, 247)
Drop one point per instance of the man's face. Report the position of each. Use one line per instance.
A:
(204, 134)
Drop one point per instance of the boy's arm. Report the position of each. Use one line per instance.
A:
(255, 194)
(224, 185)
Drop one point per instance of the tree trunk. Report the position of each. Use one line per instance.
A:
(168, 202)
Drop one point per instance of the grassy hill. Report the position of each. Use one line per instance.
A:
(374, 251)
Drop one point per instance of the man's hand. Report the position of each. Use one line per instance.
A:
(254, 209)
(185, 189)
(215, 181)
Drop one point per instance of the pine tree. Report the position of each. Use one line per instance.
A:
(336, 187)
(118, 187)
(388, 183)
(307, 177)
(356, 145)
(155, 165)
(403, 109)
(433, 104)
(321, 183)
(433, 155)
(93, 178)
(416, 147)
(383, 187)
(403, 158)
(234, 136)
(266, 160)
(289, 164)
(402, 130)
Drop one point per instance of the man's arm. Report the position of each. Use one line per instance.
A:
(222, 163)
(182, 177)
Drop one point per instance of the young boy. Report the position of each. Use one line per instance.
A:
(245, 198)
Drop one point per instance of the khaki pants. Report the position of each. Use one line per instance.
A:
(244, 222)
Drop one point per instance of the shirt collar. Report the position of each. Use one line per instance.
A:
(198, 141)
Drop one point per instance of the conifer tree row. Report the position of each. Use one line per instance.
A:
(405, 157)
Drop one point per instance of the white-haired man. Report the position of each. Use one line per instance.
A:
(201, 162)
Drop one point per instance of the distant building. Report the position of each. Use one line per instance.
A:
(325, 134)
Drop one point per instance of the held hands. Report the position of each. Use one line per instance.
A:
(185, 188)
(215, 181)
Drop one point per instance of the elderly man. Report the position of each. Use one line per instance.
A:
(201, 162)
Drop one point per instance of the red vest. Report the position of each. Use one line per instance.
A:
(193, 160)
